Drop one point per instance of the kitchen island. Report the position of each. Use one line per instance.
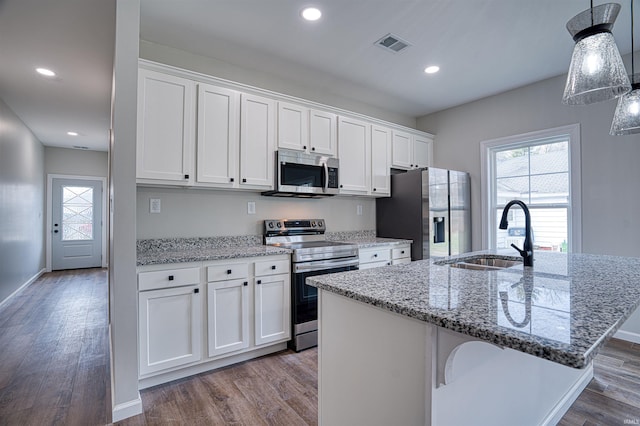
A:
(434, 343)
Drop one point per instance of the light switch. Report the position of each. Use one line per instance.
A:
(251, 207)
(359, 209)
(154, 205)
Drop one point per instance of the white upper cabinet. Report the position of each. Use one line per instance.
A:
(354, 152)
(165, 128)
(380, 161)
(422, 151)
(257, 141)
(306, 130)
(218, 136)
(322, 133)
(410, 151)
(293, 126)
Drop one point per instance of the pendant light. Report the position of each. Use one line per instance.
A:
(596, 72)
(626, 119)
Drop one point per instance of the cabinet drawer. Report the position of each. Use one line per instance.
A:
(271, 267)
(371, 265)
(168, 278)
(376, 255)
(400, 252)
(227, 272)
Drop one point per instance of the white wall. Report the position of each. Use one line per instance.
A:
(79, 162)
(258, 78)
(610, 172)
(21, 203)
(208, 213)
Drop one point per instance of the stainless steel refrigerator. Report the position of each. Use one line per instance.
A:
(430, 206)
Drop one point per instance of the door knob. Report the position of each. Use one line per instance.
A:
(55, 231)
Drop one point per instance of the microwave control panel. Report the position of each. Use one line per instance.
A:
(333, 177)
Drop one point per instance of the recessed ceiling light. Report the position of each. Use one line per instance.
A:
(72, 133)
(46, 72)
(311, 14)
(432, 69)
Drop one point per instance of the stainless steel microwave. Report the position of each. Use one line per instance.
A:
(298, 174)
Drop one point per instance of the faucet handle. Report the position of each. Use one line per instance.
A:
(522, 252)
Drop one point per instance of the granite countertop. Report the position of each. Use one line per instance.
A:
(181, 250)
(364, 239)
(562, 309)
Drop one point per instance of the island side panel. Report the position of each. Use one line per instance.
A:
(373, 365)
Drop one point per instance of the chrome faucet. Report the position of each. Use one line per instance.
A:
(527, 249)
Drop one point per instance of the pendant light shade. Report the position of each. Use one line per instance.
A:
(596, 72)
(626, 119)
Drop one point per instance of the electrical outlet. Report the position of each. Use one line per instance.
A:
(359, 209)
(154, 205)
(251, 207)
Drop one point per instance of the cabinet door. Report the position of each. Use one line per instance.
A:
(165, 122)
(227, 316)
(380, 161)
(218, 122)
(293, 126)
(322, 132)
(422, 148)
(257, 136)
(402, 151)
(272, 309)
(170, 328)
(355, 156)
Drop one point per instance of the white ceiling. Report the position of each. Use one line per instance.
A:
(483, 47)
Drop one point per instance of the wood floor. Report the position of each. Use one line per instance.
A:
(54, 370)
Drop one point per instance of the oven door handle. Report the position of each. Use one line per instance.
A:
(326, 177)
(324, 265)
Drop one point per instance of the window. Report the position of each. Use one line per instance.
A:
(543, 170)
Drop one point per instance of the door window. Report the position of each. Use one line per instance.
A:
(77, 213)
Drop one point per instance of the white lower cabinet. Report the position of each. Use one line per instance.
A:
(384, 255)
(272, 308)
(187, 327)
(228, 316)
(170, 324)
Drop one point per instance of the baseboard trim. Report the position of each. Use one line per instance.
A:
(23, 286)
(628, 336)
(127, 409)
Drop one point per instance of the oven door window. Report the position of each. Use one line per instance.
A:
(301, 175)
(305, 297)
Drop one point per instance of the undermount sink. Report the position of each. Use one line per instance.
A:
(481, 263)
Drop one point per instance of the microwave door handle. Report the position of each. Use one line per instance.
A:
(326, 177)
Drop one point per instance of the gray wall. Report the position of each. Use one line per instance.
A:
(21, 203)
(610, 172)
(64, 161)
(207, 213)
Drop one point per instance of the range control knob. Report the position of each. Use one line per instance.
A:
(313, 224)
(279, 225)
(320, 223)
(271, 225)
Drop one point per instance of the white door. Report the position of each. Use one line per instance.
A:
(76, 223)
(322, 132)
(218, 122)
(293, 126)
(401, 156)
(354, 144)
(272, 308)
(228, 316)
(170, 328)
(257, 141)
(422, 151)
(380, 160)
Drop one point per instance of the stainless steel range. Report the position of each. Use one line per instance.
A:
(312, 255)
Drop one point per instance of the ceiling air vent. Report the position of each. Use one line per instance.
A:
(393, 43)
